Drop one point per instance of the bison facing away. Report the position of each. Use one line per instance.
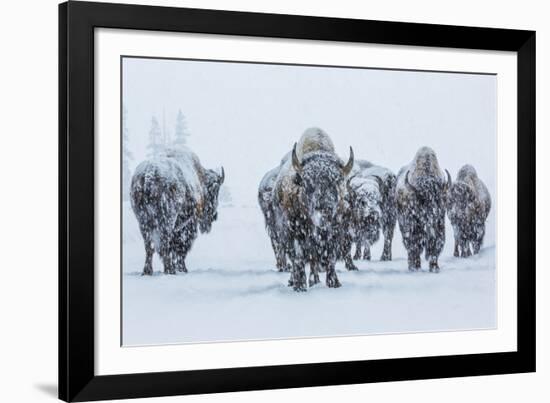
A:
(307, 206)
(421, 193)
(468, 206)
(171, 197)
(370, 199)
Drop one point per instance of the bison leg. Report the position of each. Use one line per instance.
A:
(168, 263)
(313, 274)
(166, 254)
(148, 268)
(147, 232)
(332, 279)
(413, 239)
(178, 260)
(388, 239)
(180, 250)
(280, 257)
(479, 234)
(357, 254)
(348, 261)
(434, 267)
(366, 253)
(456, 251)
(456, 233)
(476, 247)
(465, 248)
(345, 252)
(182, 240)
(413, 259)
(435, 241)
(180, 265)
(298, 275)
(386, 253)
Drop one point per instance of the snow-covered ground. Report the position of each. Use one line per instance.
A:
(233, 292)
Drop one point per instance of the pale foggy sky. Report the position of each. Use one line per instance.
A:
(247, 116)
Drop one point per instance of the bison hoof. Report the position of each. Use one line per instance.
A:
(385, 258)
(313, 279)
(434, 269)
(147, 273)
(333, 283)
(313, 282)
(300, 288)
(352, 267)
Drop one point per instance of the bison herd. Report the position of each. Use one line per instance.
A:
(316, 208)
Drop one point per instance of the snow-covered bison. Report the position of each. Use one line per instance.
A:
(307, 204)
(265, 199)
(370, 199)
(421, 194)
(171, 197)
(468, 206)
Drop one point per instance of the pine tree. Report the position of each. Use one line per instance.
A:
(127, 156)
(181, 133)
(155, 146)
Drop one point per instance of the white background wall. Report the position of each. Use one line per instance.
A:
(28, 198)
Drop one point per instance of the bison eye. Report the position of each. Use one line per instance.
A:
(298, 179)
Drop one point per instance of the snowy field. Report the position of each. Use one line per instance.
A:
(233, 291)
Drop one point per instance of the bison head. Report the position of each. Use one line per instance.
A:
(431, 197)
(320, 177)
(213, 182)
(363, 197)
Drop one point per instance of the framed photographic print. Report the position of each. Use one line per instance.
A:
(257, 201)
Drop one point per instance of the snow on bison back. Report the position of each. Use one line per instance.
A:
(172, 197)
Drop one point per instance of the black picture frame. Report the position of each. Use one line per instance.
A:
(77, 21)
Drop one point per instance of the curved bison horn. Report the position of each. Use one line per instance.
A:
(407, 183)
(449, 182)
(222, 176)
(295, 161)
(348, 167)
